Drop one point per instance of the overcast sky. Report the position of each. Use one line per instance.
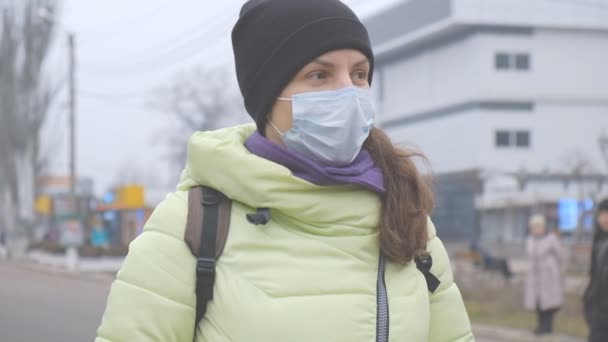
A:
(125, 49)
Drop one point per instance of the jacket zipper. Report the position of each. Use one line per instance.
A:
(382, 313)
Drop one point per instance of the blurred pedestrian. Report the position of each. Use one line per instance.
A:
(328, 217)
(544, 287)
(596, 294)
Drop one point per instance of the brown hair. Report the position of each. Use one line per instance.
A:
(407, 202)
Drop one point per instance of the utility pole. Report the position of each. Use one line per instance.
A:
(71, 250)
(47, 16)
(72, 118)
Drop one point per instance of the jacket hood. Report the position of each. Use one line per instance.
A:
(219, 159)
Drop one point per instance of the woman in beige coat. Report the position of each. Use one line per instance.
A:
(543, 292)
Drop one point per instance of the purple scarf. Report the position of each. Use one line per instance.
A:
(362, 171)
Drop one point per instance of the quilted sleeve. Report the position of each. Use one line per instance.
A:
(152, 298)
(449, 318)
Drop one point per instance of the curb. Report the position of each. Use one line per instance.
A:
(93, 269)
(84, 265)
(509, 334)
(59, 272)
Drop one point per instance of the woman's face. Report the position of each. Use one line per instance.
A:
(537, 229)
(602, 220)
(333, 70)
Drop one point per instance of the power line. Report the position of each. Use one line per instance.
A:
(130, 96)
(116, 97)
(182, 48)
(183, 40)
(114, 102)
(184, 37)
(118, 29)
(157, 65)
(154, 10)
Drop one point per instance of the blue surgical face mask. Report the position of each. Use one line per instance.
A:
(330, 126)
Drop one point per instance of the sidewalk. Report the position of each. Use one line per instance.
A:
(59, 271)
(85, 265)
(485, 333)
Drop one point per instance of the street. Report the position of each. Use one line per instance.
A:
(59, 307)
(37, 306)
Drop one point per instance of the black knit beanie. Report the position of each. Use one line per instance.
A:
(274, 39)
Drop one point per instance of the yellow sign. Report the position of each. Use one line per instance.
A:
(43, 205)
(131, 196)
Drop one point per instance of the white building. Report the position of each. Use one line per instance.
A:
(502, 89)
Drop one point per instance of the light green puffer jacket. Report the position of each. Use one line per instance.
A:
(309, 275)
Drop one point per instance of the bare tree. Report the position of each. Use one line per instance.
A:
(578, 163)
(131, 173)
(25, 97)
(198, 100)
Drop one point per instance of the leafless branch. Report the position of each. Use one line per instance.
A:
(199, 100)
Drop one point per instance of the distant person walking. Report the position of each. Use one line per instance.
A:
(543, 288)
(596, 295)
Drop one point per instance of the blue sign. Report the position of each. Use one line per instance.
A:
(567, 213)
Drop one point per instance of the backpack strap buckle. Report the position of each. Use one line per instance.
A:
(205, 273)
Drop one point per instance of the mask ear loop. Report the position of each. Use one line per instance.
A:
(270, 120)
(275, 127)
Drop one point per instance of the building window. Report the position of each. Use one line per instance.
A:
(512, 139)
(522, 61)
(503, 138)
(512, 61)
(522, 139)
(501, 61)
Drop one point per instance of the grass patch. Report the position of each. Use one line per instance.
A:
(502, 305)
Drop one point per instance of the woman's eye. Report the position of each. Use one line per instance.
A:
(320, 75)
(360, 75)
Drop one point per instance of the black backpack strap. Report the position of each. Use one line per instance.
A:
(207, 227)
(424, 263)
(205, 262)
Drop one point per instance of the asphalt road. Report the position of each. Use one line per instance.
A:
(38, 305)
(43, 306)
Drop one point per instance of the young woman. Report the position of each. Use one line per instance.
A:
(348, 210)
